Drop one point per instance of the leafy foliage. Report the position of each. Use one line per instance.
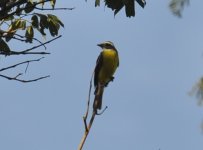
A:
(20, 20)
(177, 6)
(16, 15)
(197, 90)
(117, 5)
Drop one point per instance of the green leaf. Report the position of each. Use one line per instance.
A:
(53, 28)
(42, 2)
(29, 7)
(55, 19)
(16, 25)
(142, 3)
(43, 21)
(4, 47)
(35, 21)
(117, 5)
(53, 2)
(29, 34)
(97, 3)
(23, 25)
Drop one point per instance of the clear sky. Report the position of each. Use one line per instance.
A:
(161, 58)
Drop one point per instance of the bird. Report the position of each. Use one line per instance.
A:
(106, 65)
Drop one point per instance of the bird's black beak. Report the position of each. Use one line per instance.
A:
(100, 45)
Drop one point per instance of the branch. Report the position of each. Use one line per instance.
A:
(34, 47)
(87, 127)
(88, 103)
(55, 8)
(86, 131)
(24, 81)
(32, 38)
(18, 75)
(27, 51)
(24, 62)
(24, 53)
(21, 38)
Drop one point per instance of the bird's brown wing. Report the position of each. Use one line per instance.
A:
(97, 69)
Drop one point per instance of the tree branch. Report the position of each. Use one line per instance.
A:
(27, 51)
(24, 81)
(87, 131)
(87, 127)
(16, 78)
(24, 62)
(21, 38)
(88, 103)
(54, 8)
(34, 47)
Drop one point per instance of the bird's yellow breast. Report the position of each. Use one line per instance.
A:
(109, 64)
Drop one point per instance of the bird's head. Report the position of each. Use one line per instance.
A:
(107, 45)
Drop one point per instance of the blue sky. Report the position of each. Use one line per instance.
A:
(161, 58)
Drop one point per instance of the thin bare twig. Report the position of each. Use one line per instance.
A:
(24, 81)
(87, 127)
(34, 47)
(16, 78)
(24, 53)
(88, 103)
(24, 62)
(27, 67)
(33, 39)
(87, 131)
(55, 8)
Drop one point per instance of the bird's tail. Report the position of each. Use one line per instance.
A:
(98, 97)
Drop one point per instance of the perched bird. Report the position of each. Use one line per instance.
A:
(106, 65)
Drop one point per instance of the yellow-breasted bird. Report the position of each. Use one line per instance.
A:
(106, 65)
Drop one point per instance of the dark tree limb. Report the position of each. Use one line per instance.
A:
(22, 38)
(34, 47)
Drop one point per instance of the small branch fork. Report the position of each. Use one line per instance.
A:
(28, 51)
(94, 113)
(16, 78)
(87, 127)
